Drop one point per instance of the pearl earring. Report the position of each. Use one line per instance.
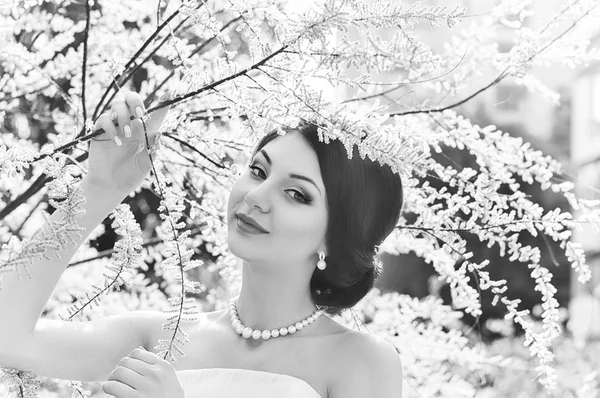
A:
(321, 264)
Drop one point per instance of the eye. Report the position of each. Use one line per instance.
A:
(255, 168)
(300, 198)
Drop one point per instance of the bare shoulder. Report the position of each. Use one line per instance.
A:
(366, 365)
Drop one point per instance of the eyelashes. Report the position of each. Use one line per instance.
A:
(303, 199)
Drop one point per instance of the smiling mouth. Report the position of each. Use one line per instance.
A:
(247, 228)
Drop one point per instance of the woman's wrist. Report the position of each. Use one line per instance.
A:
(99, 199)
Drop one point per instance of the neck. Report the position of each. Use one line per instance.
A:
(270, 301)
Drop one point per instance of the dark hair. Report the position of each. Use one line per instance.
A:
(364, 200)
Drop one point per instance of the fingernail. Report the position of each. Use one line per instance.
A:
(139, 112)
(118, 141)
(139, 149)
(127, 131)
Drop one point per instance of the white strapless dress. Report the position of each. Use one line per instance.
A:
(243, 383)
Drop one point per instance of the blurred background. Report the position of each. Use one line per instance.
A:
(570, 133)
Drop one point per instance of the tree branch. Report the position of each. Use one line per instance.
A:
(85, 51)
(484, 227)
(212, 85)
(173, 137)
(497, 80)
(109, 252)
(38, 184)
(139, 65)
(196, 51)
(43, 179)
(131, 61)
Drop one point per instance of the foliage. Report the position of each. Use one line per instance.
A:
(241, 68)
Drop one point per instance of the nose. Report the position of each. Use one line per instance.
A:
(258, 197)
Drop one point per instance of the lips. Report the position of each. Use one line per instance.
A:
(249, 220)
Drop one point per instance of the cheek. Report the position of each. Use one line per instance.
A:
(236, 195)
(300, 225)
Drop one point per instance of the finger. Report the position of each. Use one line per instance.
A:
(104, 123)
(135, 104)
(137, 130)
(118, 389)
(156, 118)
(154, 143)
(127, 376)
(122, 111)
(140, 367)
(154, 139)
(114, 118)
(120, 96)
(131, 372)
(145, 356)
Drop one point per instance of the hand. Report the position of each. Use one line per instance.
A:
(122, 168)
(143, 374)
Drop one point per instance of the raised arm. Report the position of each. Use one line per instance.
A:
(80, 350)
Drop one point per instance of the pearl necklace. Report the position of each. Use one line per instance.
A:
(248, 332)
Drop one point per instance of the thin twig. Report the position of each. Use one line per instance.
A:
(196, 51)
(85, 52)
(485, 227)
(497, 80)
(176, 236)
(212, 85)
(132, 60)
(407, 83)
(182, 142)
(109, 252)
(38, 184)
(139, 65)
(158, 14)
(170, 102)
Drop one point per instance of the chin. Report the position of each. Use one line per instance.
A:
(237, 244)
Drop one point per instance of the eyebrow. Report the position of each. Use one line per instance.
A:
(292, 175)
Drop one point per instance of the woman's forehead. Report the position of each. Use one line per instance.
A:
(290, 146)
(292, 153)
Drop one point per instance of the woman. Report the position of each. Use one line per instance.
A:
(302, 222)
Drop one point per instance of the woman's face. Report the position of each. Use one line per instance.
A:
(292, 210)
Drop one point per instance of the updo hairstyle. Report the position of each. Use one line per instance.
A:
(364, 201)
